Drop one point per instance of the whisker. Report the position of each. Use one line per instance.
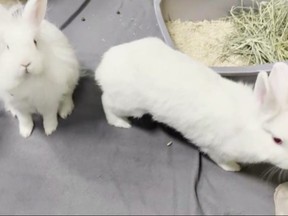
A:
(266, 173)
(283, 175)
(273, 173)
(279, 175)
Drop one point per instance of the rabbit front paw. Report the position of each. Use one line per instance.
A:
(26, 128)
(50, 124)
(230, 166)
(66, 107)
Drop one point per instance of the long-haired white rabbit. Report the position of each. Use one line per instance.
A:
(38, 68)
(227, 120)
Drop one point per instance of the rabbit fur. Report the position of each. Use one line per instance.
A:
(38, 67)
(231, 122)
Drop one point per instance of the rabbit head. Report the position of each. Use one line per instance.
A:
(272, 95)
(20, 55)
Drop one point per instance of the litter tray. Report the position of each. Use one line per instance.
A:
(198, 10)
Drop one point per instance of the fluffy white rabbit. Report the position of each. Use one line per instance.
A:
(38, 67)
(227, 120)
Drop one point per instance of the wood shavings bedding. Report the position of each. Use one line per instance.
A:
(204, 41)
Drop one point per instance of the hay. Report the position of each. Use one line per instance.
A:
(252, 35)
(8, 3)
(261, 32)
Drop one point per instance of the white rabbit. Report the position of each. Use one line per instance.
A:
(38, 67)
(227, 120)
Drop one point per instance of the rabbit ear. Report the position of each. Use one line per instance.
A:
(278, 80)
(34, 11)
(262, 88)
(5, 16)
(265, 94)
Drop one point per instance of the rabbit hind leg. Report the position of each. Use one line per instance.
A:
(113, 115)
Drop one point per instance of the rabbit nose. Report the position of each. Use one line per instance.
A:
(26, 65)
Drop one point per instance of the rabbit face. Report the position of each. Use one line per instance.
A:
(21, 55)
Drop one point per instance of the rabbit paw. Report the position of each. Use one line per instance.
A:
(121, 123)
(50, 125)
(114, 119)
(26, 129)
(66, 108)
(230, 166)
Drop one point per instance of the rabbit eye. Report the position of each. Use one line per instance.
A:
(277, 140)
(35, 42)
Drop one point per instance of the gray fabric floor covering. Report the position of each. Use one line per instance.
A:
(89, 167)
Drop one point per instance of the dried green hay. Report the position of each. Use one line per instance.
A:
(261, 32)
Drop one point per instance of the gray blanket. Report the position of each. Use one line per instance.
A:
(89, 167)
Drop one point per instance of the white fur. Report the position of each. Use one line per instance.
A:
(47, 85)
(227, 120)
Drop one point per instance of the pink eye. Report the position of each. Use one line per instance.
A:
(277, 140)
